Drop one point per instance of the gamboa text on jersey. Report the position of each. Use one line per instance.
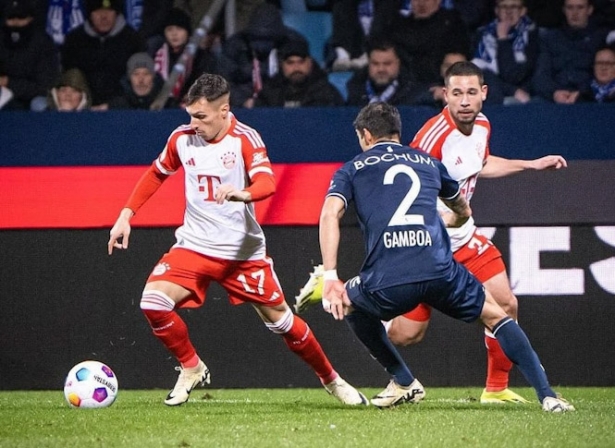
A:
(558, 260)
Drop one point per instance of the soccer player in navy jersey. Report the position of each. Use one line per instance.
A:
(408, 255)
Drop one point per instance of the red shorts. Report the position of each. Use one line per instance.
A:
(480, 257)
(252, 281)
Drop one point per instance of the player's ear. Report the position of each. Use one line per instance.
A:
(484, 89)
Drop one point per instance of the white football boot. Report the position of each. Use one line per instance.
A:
(188, 379)
(345, 393)
(556, 405)
(394, 394)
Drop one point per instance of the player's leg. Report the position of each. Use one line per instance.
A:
(498, 365)
(482, 258)
(409, 328)
(517, 347)
(463, 297)
(255, 282)
(165, 290)
(365, 321)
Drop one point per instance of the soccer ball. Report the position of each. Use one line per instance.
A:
(90, 384)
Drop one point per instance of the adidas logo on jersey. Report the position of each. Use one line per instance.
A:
(190, 162)
(458, 161)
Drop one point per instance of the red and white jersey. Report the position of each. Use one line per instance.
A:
(463, 156)
(229, 230)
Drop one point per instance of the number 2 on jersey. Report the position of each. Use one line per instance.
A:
(400, 218)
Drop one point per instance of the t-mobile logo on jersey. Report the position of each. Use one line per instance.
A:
(208, 185)
(547, 261)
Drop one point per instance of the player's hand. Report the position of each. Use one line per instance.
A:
(121, 230)
(228, 192)
(551, 162)
(333, 291)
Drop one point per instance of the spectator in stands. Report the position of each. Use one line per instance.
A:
(140, 86)
(354, 21)
(28, 59)
(384, 78)
(603, 84)
(101, 47)
(300, 83)
(148, 18)
(249, 57)
(507, 52)
(177, 31)
(435, 94)
(71, 93)
(565, 63)
(474, 13)
(426, 35)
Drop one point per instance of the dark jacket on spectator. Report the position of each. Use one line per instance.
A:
(130, 100)
(315, 91)
(348, 31)
(30, 61)
(101, 58)
(566, 59)
(263, 36)
(422, 43)
(408, 92)
(511, 73)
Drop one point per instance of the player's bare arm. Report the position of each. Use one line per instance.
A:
(461, 211)
(120, 231)
(501, 167)
(329, 235)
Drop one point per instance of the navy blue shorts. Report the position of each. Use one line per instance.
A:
(457, 294)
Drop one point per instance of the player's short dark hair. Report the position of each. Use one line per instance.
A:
(208, 86)
(464, 68)
(380, 119)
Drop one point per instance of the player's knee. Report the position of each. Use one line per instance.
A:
(153, 300)
(510, 305)
(282, 325)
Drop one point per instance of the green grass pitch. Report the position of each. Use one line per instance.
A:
(448, 417)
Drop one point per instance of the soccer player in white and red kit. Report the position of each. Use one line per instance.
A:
(459, 137)
(226, 169)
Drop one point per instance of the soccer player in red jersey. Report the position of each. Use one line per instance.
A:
(459, 138)
(226, 169)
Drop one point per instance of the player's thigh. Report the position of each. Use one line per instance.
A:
(184, 276)
(175, 292)
(499, 287)
(491, 313)
(254, 282)
(403, 330)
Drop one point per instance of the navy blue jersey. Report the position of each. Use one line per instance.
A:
(395, 190)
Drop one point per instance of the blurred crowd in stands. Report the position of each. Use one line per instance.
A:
(74, 55)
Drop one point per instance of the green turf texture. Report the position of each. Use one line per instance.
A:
(448, 417)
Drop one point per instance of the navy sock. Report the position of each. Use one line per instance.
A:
(518, 349)
(372, 334)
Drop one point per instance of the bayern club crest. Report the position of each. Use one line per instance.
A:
(228, 160)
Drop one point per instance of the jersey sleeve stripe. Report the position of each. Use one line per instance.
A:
(260, 169)
(337, 195)
(162, 169)
(251, 134)
(433, 134)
